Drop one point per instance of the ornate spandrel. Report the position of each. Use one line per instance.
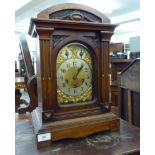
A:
(94, 39)
(58, 38)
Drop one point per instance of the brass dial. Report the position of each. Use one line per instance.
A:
(74, 74)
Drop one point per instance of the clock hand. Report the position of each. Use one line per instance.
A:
(78, 71)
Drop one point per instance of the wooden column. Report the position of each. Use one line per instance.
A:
(44, 74)
(105, 39)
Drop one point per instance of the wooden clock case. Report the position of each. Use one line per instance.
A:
(54, 28)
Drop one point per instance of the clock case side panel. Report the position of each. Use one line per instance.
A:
(90, 39)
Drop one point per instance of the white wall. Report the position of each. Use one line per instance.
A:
(125, 31)
(128, 26)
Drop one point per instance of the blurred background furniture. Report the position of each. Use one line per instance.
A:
(22, 69)
(29, 78)
(117, 51)
(118, 61)
(129, 93)
(19, 84)
(116, 65)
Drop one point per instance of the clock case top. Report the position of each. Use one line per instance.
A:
(54, 28)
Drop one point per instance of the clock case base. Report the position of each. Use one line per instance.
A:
(73, 128)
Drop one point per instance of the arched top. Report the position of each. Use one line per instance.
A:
(74, 12)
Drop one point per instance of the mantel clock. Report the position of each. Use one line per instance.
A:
(72, 73)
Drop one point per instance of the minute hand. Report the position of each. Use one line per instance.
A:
(78, 71)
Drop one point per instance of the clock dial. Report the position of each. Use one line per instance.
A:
(74, 74)
(74, 77)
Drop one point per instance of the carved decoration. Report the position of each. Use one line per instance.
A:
(94, 39)
(58, 38)
(47, 115)
(76, 15)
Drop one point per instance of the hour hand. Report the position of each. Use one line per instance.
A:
(78, 71)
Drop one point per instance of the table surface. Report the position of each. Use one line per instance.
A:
(125, 141)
